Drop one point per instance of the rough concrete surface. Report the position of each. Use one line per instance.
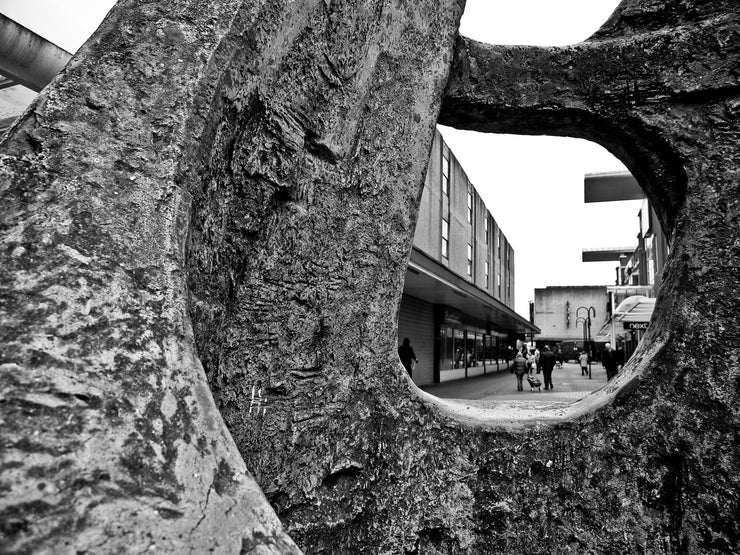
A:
(210, 211)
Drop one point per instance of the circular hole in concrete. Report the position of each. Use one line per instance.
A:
(580, 243)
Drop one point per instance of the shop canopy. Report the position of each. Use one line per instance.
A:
(429, 280)
(636, 308)
(634, 312)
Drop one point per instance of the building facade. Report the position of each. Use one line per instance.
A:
(570, 315)
(457, 307)
(639, 270)
(645, 264)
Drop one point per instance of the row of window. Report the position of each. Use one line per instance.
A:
(487, 228)
(463, 348)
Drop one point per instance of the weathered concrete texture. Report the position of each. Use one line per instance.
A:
(292, 292)
(111, 442)
(272, 154)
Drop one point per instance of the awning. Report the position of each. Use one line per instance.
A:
(632, 311)
(428, 280)
(635, 309)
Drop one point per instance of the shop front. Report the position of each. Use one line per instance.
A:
(466, 350)
(629, 319)
(456, 329)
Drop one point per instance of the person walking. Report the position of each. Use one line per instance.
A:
(547, 363)
(407, 355)
(610, 361)
(583, 360)
(521, 367)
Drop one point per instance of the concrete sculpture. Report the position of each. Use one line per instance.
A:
(205, 224)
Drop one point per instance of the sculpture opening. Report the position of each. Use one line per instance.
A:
(539, 213)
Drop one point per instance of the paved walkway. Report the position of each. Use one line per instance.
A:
(568, 386)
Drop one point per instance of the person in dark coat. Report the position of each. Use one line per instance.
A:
(611, 361)
(559, 358)
(406, 354)
(547, 363)
(521, 367)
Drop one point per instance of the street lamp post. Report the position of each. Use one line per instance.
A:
(587, 330)
(581, 320)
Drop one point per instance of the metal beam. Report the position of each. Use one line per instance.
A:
(6, 83)
(608, 187)
(605, 255)
(27, 58)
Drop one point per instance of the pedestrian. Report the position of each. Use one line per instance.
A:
(521, 367)
(559, 357)
(537, 359)
(407, 355)
(547, 363)
(611, 362)
(583, 360)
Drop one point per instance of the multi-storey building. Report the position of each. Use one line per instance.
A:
(457, 307)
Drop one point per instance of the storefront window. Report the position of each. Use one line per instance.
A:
(466, 352)
(459, 346)
(490, 350)
(479, 356)
(447, 349)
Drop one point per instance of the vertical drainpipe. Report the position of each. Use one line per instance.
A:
(27, 58)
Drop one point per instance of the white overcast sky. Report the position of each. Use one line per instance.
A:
(533, 186)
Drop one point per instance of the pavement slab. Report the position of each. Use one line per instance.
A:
(568, 386)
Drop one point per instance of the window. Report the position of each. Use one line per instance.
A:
(445, 238)
(470, 203)
(498, 284)
(486, 273)
(650, 255)
(498, 243)
(445, 170)
(470, 259)
(485, 228)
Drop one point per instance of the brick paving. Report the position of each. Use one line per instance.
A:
(568, 386)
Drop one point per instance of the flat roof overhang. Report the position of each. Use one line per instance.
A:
(608, 187)
(431, 281)
(606, 255)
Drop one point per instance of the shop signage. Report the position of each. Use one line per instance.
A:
(452, 317)
(635, 325)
